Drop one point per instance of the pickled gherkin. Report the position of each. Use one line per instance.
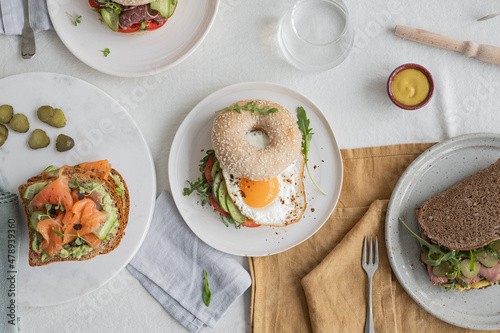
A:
(6, 113)
(4, 133)
(64, 142)
(442, 269)
(39, 139)
(51, 116)
(19, 123)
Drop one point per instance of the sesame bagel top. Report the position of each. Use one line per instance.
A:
(237, 156)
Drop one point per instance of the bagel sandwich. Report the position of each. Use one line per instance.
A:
(134, 16)
(74, 213)
(460, 231)
(254, 174)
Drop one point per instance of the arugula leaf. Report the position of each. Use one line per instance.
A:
(75, 20)
(201, 185)
(307, 134)
(250, 106)
(434, 251)
(207, 294)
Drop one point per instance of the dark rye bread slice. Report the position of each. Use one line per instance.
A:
(467, 215)
(106, 246)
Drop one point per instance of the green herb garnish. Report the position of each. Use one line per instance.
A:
(307, 133)
(106, 52)
(251, 106)
(201, 185)
(78, 237)
(435, 253)
(75, 20)
(143, 26)
(207, 294)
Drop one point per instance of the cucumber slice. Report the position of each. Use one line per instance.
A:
(234, 211)
(111, 18)
(173, 6)
(215, 168)
(50, 169)
(103, 231)
(218, 179)
(32, 190)
(36, 217)
(222, 194)
(162, 6)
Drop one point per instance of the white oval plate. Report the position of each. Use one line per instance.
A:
(102, 129)
(193, 139)
(132, 55)
(438, 168)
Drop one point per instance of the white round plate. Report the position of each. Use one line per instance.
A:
(193, 139)
(132, 55)
(102, 129)
(438, 168)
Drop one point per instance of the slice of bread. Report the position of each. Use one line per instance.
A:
(467, 215)
(121, 203)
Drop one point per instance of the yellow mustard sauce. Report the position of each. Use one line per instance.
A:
(410, 87)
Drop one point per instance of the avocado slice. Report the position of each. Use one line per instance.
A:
(234, 211)
(222, 194)
(218, 179)
(215, 168)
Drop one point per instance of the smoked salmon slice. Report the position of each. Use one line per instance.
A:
(101, 168)
(56, 192)
(52, 243)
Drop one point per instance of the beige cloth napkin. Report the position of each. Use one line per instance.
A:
(319, 285)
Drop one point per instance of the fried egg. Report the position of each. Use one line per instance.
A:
(279, 201)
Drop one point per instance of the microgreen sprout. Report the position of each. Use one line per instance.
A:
(74, 19)
(251, 106)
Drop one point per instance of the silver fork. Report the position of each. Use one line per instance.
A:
(370, 267)
(28, 47)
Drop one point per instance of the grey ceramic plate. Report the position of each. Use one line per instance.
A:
(438, 168)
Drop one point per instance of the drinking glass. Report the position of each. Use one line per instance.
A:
(316, 35)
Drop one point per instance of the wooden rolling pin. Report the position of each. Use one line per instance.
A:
(483, 52)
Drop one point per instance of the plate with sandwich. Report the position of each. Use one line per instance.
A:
(239, 175)
(132, 38)
(84, 210)
(443, 230)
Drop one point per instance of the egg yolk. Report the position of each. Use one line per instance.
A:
(259, 193)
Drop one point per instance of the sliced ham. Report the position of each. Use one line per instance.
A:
(434, 279)
(469, 281)
(491, 274)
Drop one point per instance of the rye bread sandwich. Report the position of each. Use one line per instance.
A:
(74, 213)
(460, 232)
(134, 16)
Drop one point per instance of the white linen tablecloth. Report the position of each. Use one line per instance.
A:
(242, 46)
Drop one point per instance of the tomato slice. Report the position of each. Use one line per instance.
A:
(92, 4)
(208, 169)
(216, 206)
(150, 26)
(250, 224)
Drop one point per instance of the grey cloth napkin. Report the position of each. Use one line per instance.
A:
(171, 264)
(10, 235)
(12, 16)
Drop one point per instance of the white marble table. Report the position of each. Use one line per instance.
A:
(240, 47)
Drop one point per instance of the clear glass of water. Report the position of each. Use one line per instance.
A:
(315, 35)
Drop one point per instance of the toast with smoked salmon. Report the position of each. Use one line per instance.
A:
(75, 213)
